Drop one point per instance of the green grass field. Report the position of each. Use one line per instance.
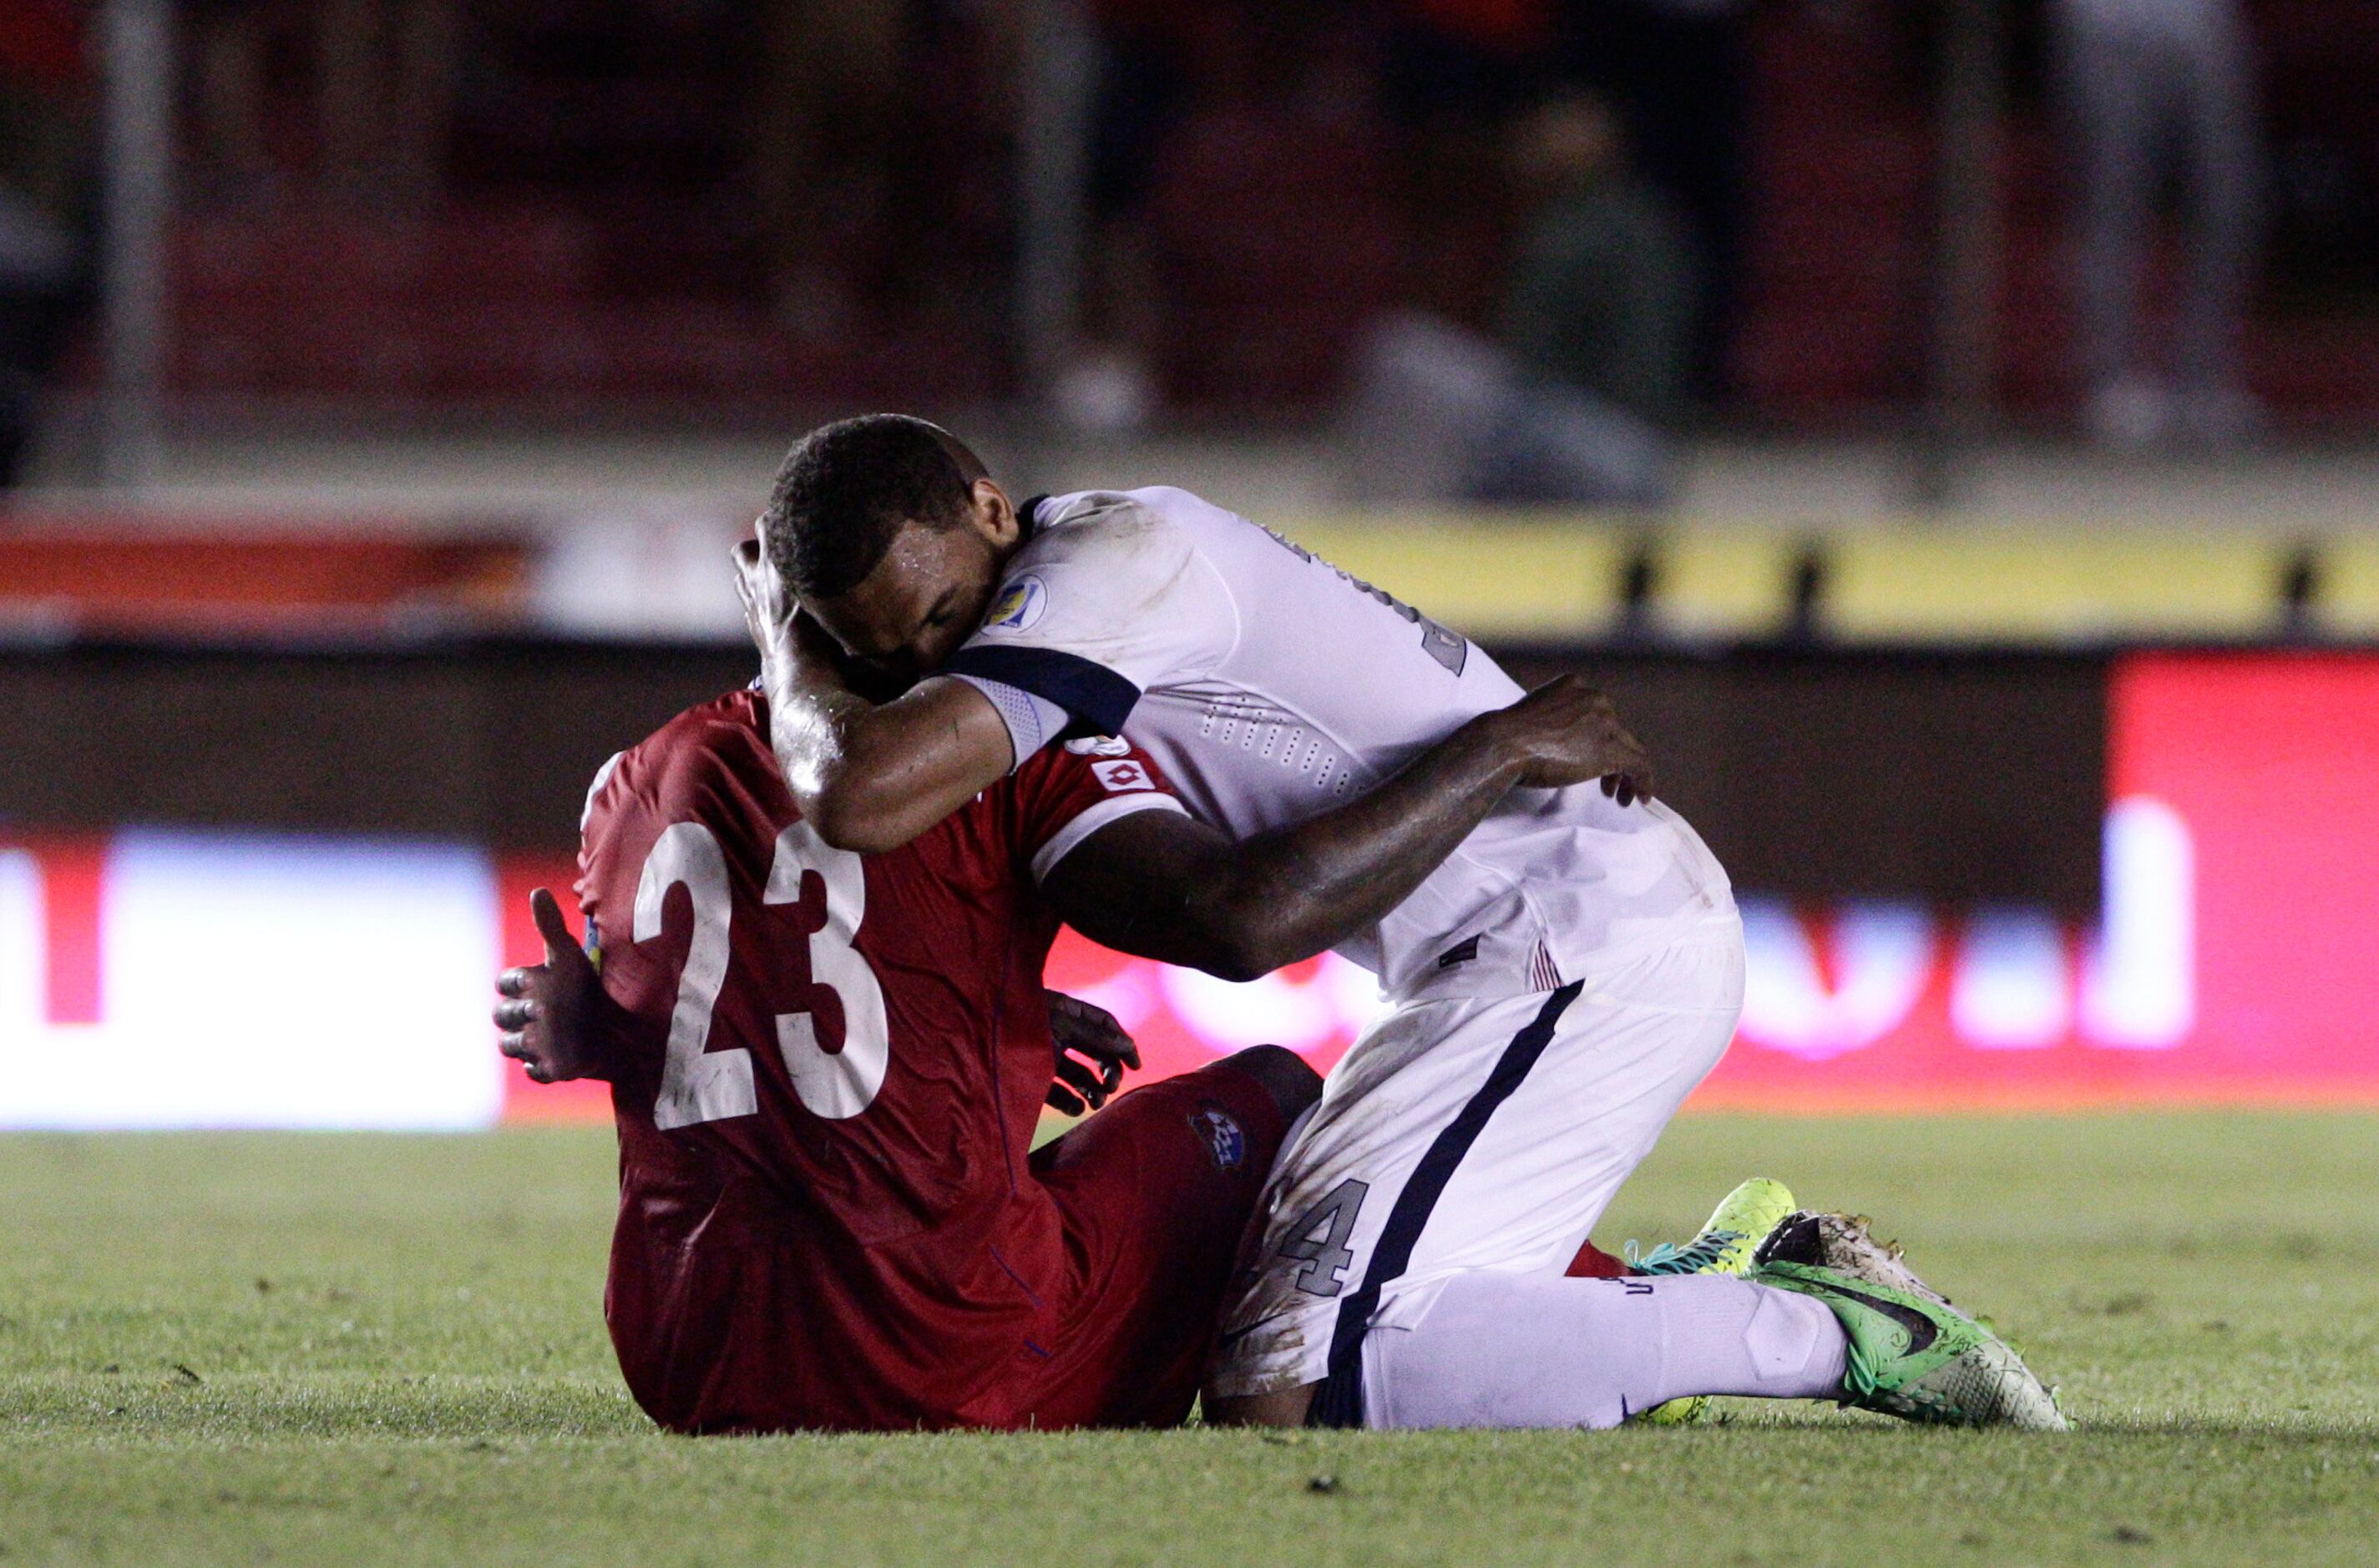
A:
(333, 1348)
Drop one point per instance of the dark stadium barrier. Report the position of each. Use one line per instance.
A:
(1968, 879)
(1947, 777)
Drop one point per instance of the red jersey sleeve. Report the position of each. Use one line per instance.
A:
(1066, 793)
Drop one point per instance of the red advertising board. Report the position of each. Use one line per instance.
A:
(2236, 959)
(2273, 762)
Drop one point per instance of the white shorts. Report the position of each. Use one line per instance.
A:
(1467, 1133)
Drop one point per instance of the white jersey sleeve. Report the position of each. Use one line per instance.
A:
(1106, 599)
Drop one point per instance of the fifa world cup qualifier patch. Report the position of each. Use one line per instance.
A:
(1225, 1139)
(1018, 606)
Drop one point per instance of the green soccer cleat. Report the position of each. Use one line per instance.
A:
(1728, 1240)
(1911, 1354)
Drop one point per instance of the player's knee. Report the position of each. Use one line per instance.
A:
(1283, 1410)
(1292, 1085)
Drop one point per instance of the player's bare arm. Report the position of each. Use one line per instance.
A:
(871, 777)
(1163, 886)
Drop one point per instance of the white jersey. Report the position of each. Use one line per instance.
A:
(1270, 685)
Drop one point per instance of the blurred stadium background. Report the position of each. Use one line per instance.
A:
(385, 379)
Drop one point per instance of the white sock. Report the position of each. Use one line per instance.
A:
(1525, 1350)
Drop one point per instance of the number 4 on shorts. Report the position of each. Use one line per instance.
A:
(1318, 1239)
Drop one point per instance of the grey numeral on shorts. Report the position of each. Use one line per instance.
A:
(1318, 1239)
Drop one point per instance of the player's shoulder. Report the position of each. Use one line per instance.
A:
(1103, 561)
(726, 732)
(1119, 530)
(1102, 764)
(726, 737)
(1068, 791)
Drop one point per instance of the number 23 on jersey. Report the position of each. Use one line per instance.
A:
(702, 1085)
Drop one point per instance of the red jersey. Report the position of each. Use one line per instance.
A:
(827, 1085)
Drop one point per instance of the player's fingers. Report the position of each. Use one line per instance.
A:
(1082, 1077)
(538, 1075)
(1629, 787)
(1075, 1010)
(558, 938)
(1100, 1035)
(513, 982)
(516, 1013)
(1108, 1043)
(1064, 1103)
(1091, 1029)
(513, 1044)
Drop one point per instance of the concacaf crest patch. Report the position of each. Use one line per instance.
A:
(1018, 606)
(1225, 1139)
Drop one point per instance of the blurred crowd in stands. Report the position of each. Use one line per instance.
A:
(45, 215)
(1517, 244)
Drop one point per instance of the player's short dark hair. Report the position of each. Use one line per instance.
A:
(848, 488)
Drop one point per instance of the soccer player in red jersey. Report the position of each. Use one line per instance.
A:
(828, 1070)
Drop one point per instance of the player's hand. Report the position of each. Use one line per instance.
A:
(549, 1009)
(1093, 1052)
(790, 639)
(769, 614)
(768, 603)
(1566, 732)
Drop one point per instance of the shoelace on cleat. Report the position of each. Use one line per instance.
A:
(1706, 1251)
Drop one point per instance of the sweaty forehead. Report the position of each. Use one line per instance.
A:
(887, 606)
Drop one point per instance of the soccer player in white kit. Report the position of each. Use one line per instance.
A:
(1557, 987)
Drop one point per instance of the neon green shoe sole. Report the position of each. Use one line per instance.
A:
(1727, 1244)
(1911, 1354)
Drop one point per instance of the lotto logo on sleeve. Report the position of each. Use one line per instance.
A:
(1120, 776)
(1018, 606)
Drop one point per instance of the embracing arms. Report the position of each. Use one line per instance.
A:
(1161, 886)
(869, 777)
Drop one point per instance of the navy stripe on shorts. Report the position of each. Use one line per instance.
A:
(1339, 1401)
